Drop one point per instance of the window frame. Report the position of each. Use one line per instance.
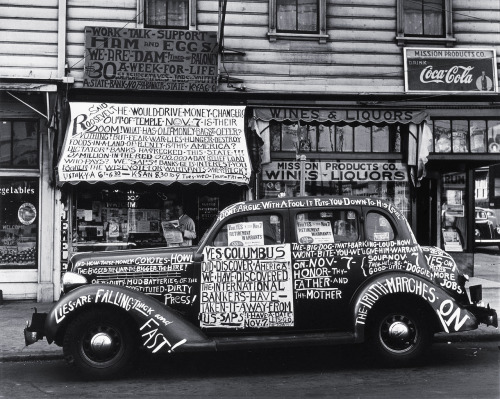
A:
(141, 12)
(321, 36)
(11, 166)
(447, 39)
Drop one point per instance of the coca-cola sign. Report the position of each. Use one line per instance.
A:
(450, 70)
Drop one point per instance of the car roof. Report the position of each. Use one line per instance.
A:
(306, 202)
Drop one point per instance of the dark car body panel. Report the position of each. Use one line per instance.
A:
(313, 270)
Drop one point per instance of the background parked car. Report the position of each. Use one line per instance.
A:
(487, 230)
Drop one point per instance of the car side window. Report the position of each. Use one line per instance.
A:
(251, 230)
(327, 226)
(378, 227)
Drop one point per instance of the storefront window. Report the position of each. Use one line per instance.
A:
(345, 138)
(19, 215)
(107, 217)
(442, 136)
(385, 180)
(478, 136)
(19, 144)
(380, 138)
(494, 136)
(362, 138)
(460, 135)
(466, 136)
(327, 137)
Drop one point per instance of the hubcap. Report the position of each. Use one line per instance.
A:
(101, 344)
(399, 331)
(398, 334)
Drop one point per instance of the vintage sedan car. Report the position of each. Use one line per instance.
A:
(280, 272)
(487, 230)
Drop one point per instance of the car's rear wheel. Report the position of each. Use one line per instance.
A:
(399, 335)
(100, 344)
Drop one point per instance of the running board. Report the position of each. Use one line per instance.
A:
(281, 340)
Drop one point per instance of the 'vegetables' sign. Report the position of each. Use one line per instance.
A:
(471, 70)
(150, 59)
(155, 144)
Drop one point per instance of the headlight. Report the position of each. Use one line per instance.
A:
(72, 280)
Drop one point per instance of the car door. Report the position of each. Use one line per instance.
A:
(327, 263)
(246, 276)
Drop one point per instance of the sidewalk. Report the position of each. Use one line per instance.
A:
(13, 316)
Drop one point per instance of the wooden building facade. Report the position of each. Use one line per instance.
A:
(337, 92)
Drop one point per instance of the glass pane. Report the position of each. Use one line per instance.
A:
(362, 139)
(25, 145)
(275, 131)
(413, 17)
(5, 143)
(477, 136)
(178, 13)
(395, 138)
(308, 15)
(460, 132)
(493, 136)
(326, 138)
(286, 15)
(19, 216)
(442, 136)
(433, 17)
(344, 138)
(289, 137)
(378, 227)
(380, 136)
(156, 12)
(307, 139)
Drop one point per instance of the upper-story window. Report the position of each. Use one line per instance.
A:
(167, 14)
(424, 21)
(297, 19)
(297, 16)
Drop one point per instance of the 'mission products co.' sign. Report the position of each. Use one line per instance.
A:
(150, 59)
(471, 70)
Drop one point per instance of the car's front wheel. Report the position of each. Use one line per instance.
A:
(399, 335)
(100, 344)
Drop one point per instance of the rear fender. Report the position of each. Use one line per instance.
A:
(451, 316)
(160, 328)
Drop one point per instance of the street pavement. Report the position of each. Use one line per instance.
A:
(14, 314)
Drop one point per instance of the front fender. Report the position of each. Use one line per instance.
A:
(160, 327)
(451, 315)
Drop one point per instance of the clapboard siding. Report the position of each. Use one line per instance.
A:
(360, 54)
(28, 39)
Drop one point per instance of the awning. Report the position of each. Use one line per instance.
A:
(340, 115)
(132, 143)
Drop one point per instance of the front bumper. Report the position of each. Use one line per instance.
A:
(34, 331)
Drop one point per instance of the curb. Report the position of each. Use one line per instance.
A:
(10, 358)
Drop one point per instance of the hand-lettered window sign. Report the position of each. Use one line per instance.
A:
(314, 232)
(245, 234)
(150, 59)
(155, 144)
